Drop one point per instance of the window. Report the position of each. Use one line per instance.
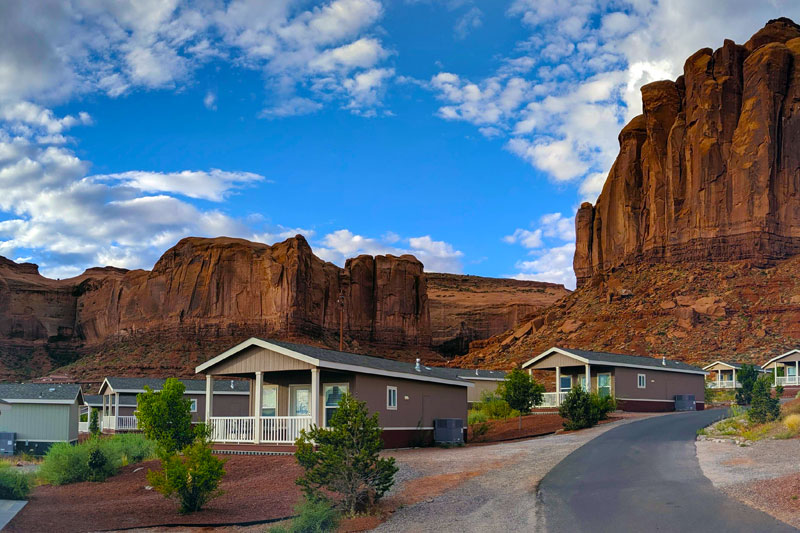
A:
(332, 393)
(300, 399)
(566, 383)
(391, 398)
(269, 400)
(641, 381)
(193, 407)
(604, 384)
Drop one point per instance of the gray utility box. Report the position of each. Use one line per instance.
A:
(448, 431)
(7, 441)
(685, 402)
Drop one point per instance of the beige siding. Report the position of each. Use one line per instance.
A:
(474, 393)
(254, 359)
(555, 359)
(717, 366)
(40, 422)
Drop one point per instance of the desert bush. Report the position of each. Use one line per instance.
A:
(166, 417)
(601, 406)
(312, 516)
(494, 407)
(479, 430)
(764, 407)
(344, 459)
(576, 409)
(191, 478)
(792, 423)
(746, 376)
(95, 459)
(797, 396)
(14, 485)
(476, 417)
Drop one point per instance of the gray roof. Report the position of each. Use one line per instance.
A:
(192, 385)
(621, 359)
(367, 361)
(93, 400)
(476, 373)
(39, 391)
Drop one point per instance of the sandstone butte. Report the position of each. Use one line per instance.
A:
(711, 170)
(204, 295)
(691, 250)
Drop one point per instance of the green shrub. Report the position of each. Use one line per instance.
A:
(576, 409)
(313, 516)
(344, 459)
(95, 459)
(476, 417)
(763, 407)
(747, 377)
(479, 430)
(65, 463)
(493, 407)
(94, 423)
(797, 396)
(14, 485)
(193, 478)
(601, 406)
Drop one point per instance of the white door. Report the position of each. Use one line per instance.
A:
(300, 400)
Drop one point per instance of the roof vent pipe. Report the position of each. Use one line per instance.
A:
(231, 384)
(416, 367)
(663, 360)
(476, 372)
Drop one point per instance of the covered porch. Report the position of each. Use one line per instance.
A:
(287, 395)
(722, 375)
(785, 369)
(569, 373)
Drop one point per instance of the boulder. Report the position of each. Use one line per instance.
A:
(667, 304)
(710, 306)
(570, 326)
(687, 317)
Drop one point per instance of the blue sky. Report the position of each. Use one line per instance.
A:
(464, 132)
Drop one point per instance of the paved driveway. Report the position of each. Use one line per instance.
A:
(643, 476)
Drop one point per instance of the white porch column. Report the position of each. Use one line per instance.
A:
(796, 369)
(116, 410)
(775, 370)
(103, 411)
(315, 396)
(588, 370)
(734, 378)
(209, 397)
(558, 385)
(259, 392)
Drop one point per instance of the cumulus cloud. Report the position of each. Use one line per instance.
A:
(210, 101)
(52, 50)
(571, 85)
(436, 256)
(553, 265)
(550, 244)
(214, 185)
(469, 21)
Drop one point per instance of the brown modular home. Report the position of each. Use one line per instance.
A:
(785, 368)
(118, 399)
(638, 383)
(294, 386)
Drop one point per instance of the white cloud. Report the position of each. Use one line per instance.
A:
(527, 238)
(210, 101)
(552, 260)
(469, 21)
(213, 185)
(436, 256)
(553, 265)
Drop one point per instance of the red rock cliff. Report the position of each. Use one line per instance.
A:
(711, 170)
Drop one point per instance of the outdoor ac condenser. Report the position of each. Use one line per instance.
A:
(448, 431)
(685, 402)
(7, 441)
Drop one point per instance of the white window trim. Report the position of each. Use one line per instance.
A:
(193, 405)
(277, 397)
(639, 379)
(389, 406)
(561, 389)
(292, 388)
(325, 407)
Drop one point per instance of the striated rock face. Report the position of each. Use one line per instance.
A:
(468, 308)
(711, 170)
(204, 295)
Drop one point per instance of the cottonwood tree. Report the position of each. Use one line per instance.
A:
(521, 392)
(166, 416)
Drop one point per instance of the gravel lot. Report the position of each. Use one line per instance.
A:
(764, 475)
(478, 488)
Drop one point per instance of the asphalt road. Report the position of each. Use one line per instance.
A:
(644, 476)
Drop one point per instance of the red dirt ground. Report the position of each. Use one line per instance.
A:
(257, 488)
(532, 426)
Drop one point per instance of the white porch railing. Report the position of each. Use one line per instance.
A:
(283, 429)
(786, 380)
(274, 429)
(83, 427)
(553, 399)
(723, 384)
(235, 429)
(120, 423)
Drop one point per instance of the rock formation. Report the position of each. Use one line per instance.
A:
(206, 294)
(711, 170)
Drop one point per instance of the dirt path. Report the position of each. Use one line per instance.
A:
(763, 475)
(478, 488)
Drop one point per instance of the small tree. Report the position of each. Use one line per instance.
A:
(521, 392)
(94, 423)
(746, 376)
(576, 409)
(346, 460)
(166, 417)
(193, 478)
(763, 406)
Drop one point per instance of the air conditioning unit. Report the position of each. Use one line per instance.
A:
(7, 442)
(685, 402)
(448, 431)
